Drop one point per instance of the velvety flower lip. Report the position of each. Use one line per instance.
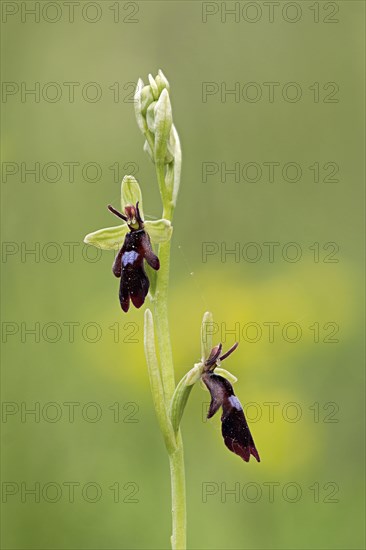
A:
(234, 427)
(129, 262)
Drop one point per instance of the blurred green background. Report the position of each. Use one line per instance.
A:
(111, 451)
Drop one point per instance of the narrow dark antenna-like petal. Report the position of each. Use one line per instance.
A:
(229, 352)
(116, 213)
(214, 355)
(138, 215)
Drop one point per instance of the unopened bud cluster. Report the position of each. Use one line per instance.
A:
(154, 117)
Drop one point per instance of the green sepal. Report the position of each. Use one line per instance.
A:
(131, 193)
(112, 238)
(109, 238)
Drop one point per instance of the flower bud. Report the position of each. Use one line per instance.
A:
(138, 106)
(146, 99)
(163, 80)
(154, 87)
(163, 125)
(154, 117)
(150, 117)
(159, 83)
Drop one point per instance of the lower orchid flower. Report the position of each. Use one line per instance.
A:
(235, 429)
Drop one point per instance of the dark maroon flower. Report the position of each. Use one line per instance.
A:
(235, 430)
(129, 262)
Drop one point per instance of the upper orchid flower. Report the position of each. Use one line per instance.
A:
(129, 262)
(132, 240)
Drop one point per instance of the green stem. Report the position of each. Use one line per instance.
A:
(160, 174)
(176, 456)
(177, 476)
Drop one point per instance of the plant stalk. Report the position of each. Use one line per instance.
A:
(178, 482)
(176, 458)
(160, 301)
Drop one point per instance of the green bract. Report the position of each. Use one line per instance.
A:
(178, 403)
(193, 375)
(156, 382)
